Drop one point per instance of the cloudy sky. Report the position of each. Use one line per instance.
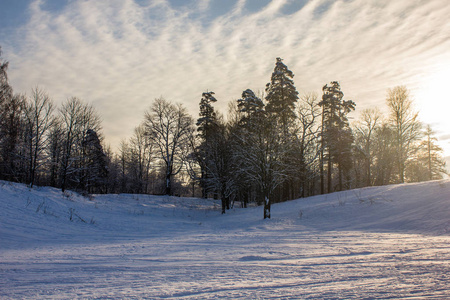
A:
(119, 55)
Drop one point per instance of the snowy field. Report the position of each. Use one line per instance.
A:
(381, 242)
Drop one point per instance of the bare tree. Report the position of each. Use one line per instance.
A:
(39, 120)
(406, 125)
(54, 150)
(12, 108)
(308, 133)
(169, 126)
(123, 158)
(76, 118)
(140, 158)
(12, 129)
(365, 131)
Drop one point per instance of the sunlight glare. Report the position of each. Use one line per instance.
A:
(433, 102)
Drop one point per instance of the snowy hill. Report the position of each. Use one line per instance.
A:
(377, 242)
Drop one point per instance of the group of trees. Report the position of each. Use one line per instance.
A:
(280, 146)
(270, 148)
(43, 145)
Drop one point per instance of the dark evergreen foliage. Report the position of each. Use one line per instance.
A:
(96, 169)
(281, 94)
(337, 135)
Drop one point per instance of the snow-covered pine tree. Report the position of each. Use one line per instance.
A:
(260, 150)
(281, 97)
(207, 125)
(250, 104)
(208, 117)
(281, 94)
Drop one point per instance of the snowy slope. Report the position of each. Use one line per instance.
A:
(378, 242)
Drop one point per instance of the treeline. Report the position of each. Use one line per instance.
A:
(270, 148)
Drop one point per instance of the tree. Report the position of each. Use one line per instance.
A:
(12, 110)
(207, 126)
(384, 144)
(219, 157)
(434, 161)
(281, 94)
(337, 137)
(39, 121)
(6, 91)
(140, 158)
(308, 139)
(169, 127)
(427, 163)
(365, 132)
(249, 104)
(12, 129)
(405, 122)
(76, 119)
(55, 149)
(96, 173)
(281, 97)
(123, 158)
(260, 151)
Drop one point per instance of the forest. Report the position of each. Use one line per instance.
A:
(269, 147)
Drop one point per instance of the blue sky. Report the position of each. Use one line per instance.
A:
(119, 55)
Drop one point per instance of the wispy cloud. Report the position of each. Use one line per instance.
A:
(120, 55)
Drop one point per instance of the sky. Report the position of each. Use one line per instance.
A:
(120, 55)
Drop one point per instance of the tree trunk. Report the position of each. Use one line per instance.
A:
(266, 207)
(330, 171)
(168, 185)
(224, 205)
(321, 162)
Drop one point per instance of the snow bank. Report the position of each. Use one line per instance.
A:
(45, 214)
(372, 243)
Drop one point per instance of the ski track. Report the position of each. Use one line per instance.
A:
(174, 248)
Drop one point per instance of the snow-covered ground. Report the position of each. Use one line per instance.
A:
(380, 242)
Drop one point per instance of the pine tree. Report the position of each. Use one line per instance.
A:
(249, 104)
(207, 125)
(281, 97)
(337, 137)
(281, 94)
(259, 153)
(96, 163)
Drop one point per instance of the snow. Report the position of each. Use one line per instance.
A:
(379, 242)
